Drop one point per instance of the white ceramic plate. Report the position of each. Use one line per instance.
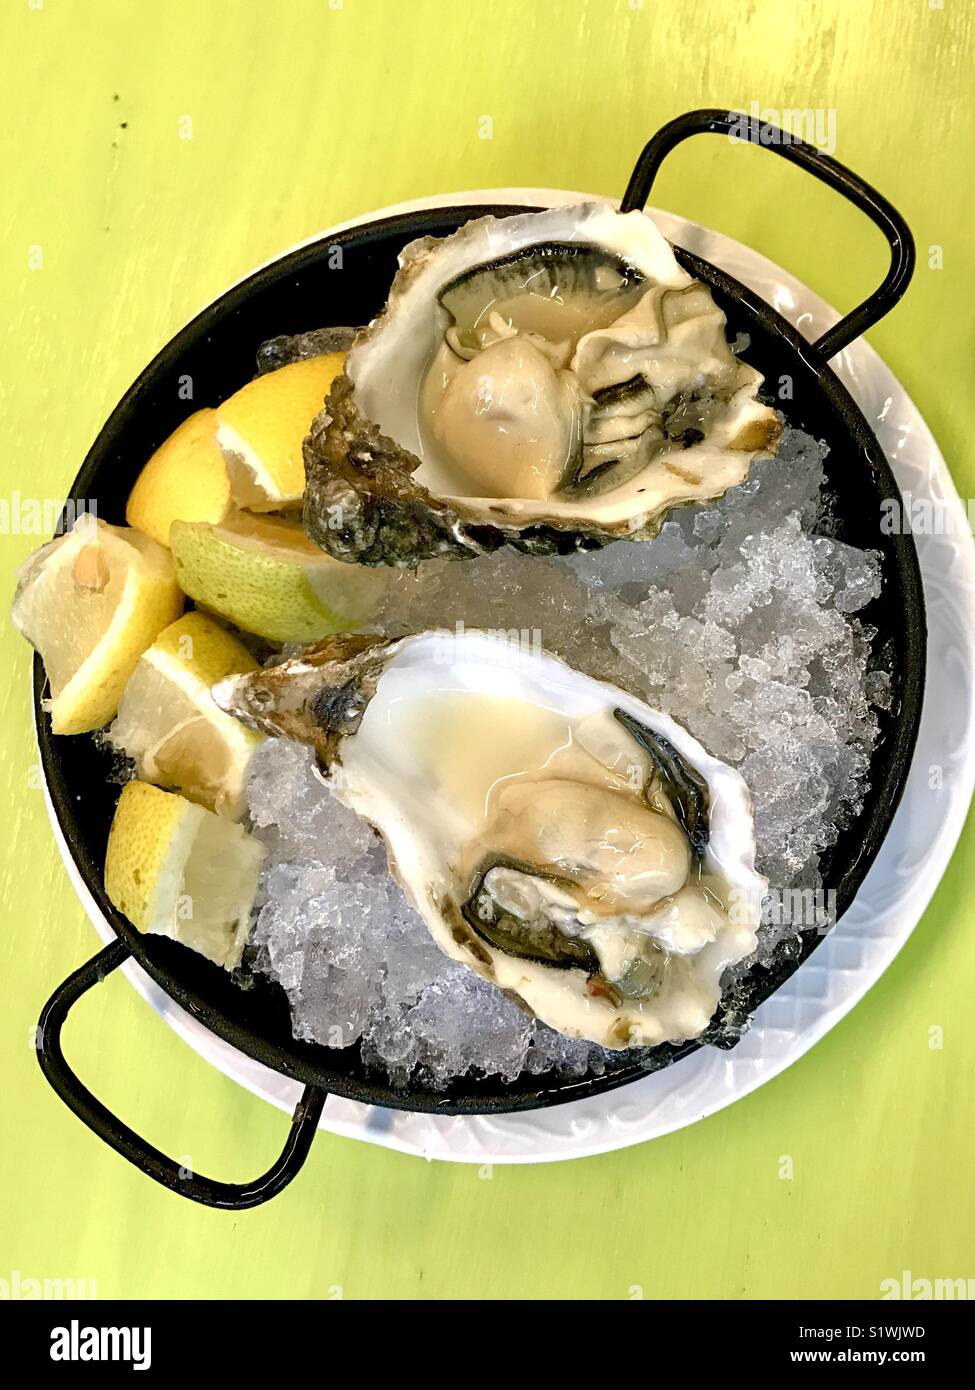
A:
(892, 897)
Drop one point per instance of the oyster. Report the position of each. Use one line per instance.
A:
(556, 835)
(552, 380)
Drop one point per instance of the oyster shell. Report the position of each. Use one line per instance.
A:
(558, 837)
(552, 380)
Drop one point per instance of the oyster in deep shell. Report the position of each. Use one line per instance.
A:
(557, 836)
(551, 380)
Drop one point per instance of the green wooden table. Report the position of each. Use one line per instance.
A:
(155, 152)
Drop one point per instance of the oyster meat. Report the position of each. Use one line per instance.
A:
(552, 380)
(557, 836)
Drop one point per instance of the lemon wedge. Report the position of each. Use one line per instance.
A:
(185, 480)
(262, 426)
(266, 576)
(176, 869)
(168, 724)
(91, 601)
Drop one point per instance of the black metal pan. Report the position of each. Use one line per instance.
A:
(216, 351)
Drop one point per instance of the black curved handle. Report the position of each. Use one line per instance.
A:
(746, 129)
(230, 1196)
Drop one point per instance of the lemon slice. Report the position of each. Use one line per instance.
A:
(90, 602)
(262, 426)
(176, 869)
(167, 721)
(186, 480)
(265, 575)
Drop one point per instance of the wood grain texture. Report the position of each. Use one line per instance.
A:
(304, 113)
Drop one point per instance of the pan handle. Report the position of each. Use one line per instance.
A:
(734, 124)
(230, 1196)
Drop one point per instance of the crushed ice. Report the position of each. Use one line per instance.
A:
(738, 619)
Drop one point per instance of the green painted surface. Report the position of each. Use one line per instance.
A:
(303, 114)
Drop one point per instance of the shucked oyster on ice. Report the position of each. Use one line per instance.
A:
(550, 380)
(558, 837)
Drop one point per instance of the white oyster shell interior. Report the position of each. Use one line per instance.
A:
(472, 740)
(521, 429)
